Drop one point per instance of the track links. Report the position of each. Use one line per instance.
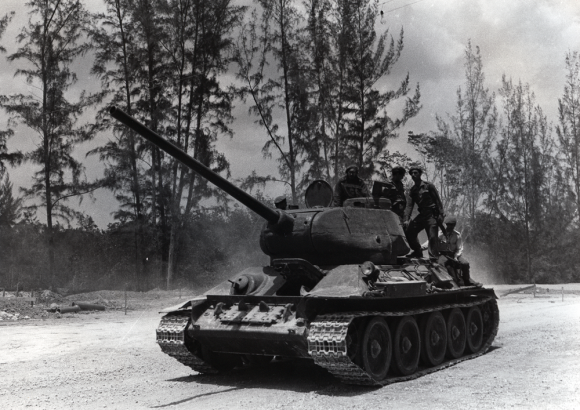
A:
(172, 340)
(328, 347)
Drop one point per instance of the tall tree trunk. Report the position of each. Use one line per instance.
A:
(291, 154)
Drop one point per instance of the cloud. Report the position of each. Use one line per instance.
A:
(525, 39)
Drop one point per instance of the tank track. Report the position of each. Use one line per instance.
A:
(171, 338)
(328, 346)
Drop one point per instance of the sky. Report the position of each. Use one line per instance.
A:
(527, 40)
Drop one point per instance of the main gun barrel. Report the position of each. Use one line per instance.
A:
(269, 214)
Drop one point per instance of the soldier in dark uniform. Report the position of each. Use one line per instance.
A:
(394, 190)
(425, 196)
(281, 203)
(351, 186)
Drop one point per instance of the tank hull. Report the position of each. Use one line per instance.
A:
(322, 324)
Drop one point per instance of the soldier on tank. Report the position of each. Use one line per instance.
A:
(394, 190)
(425, 196)
(351, 186)
(281, 203)
(449, 247)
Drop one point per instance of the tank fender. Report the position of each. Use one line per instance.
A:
(343, 280)
(185, 306)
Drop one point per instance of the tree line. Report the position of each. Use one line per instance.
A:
(510, 174)
(312, 73)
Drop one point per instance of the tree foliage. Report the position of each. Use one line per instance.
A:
(506, 177)
(49, 45)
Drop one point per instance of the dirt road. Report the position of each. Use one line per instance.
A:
(110, 360)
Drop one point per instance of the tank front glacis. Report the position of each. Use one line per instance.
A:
(336, 290)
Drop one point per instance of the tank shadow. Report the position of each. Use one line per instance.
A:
(295, 375)
(298, 375)
(197, 396)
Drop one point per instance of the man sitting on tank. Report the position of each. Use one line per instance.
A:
(425, 196)
(394, 190)
(351, 186)
(449, 247)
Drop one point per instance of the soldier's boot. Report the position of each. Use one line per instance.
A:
(467, 279)
(415, 254)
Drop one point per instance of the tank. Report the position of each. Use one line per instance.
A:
(338, 290)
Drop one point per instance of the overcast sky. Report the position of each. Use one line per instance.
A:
(525, 39)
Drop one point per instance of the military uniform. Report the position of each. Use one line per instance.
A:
(345, 189)
(426, 197)
(395, 192)
(449, 247)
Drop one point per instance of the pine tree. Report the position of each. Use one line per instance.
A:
(283, 93)
(568, 129)
(10, 207)
(349, 60)
(12, 158)
(49, 45)
(462, 143)
(201, 109)
(115, 63)
(368, 126)
(522, 162)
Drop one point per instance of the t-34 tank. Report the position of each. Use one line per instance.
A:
(338, 290)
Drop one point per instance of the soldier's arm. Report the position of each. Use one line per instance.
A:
(338, 194)
(409, 207)
(436, 199)
(364, 189)
(459, 250)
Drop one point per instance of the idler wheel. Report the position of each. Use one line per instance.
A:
(406, 346)
(474, 329)
(456, 334)
(377, 348)
(434, 336)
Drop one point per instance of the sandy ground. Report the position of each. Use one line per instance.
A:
(110, 360)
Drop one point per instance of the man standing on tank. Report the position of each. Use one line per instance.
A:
(351, 186)
(425, 196)
(394, 190)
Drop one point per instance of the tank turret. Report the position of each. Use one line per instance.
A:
(322, 236)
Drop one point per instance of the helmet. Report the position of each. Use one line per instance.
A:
(398, 170)
(450, 220)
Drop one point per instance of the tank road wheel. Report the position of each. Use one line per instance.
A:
(474, 329)
(406, 346)
(354, 339)
(455, 334)
(434, 337)
(377, 348)
(220, 361)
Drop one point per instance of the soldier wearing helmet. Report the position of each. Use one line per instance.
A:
(281, 203)
(449, 248)
(351, 186)
(394, 190)
(425, 196)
